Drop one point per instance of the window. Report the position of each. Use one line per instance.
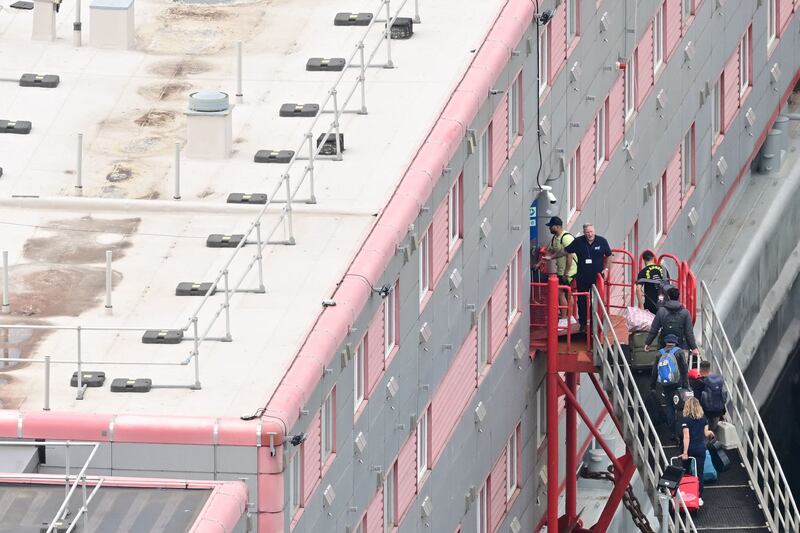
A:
(630, 86)
(514, 111)
(572, 183)
(328, 422)
(687, 161)
(716, 112)
(425, 265)
(659, 39)
(390, 321)
(544, 57)
(686, 10)
(454, 212)
(359, 375)
(573, 20)
(772, 21)
(483, 509)
(600, 136)
(390, 499)
(483, 337)
(294, 482)
(483, 160)
(511, 465)
(513, 287)
(658, 207)
(541, 413)
(744, 62)
(422, 444)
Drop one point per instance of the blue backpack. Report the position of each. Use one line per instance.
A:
(668, 371)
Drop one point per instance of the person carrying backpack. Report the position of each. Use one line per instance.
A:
(673, 318)
(670, 374)
(712, 393)
(649, 283)
(567, 265)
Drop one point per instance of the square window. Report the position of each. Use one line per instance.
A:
(512, 480)
(483, 509)
(659, 39)
(359, 375)
(423, 458)
(328, 424)
(772, 21)
(744, 62)
(454, 212)
(716, 112)
(573, 19)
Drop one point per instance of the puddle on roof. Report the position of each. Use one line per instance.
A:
(80, 241)
(201, 28)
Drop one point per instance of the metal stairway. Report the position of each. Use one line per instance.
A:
(753, 495)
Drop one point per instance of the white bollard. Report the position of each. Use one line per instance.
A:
(177, 194)
(79, 166)
(109, 273)
(76, 26)
(239, 71)
(6, 303)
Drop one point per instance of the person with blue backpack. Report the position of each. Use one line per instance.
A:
(671, 374)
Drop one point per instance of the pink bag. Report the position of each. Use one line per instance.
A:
(638, 319)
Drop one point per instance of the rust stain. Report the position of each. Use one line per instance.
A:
(178, 69)
(156, 118)
(74, 241)
(166, 91)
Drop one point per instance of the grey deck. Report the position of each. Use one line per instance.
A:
(25, 508)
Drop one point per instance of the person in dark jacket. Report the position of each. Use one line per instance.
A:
(673, 318)
(671, 395)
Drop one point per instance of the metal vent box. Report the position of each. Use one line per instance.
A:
(90, 378)
(47, 81)
(162, 336)
(273, 156)
(402, 28)
(329, 147)
(20, 127)
(247, 198)
(217, 240)
(187, 288)
(320, 64)
(299, 110)
(131, 385)
(352, 19)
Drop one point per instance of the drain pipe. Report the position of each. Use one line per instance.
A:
(239, 71)
(76, 26)
(6, 304)
(79, 166)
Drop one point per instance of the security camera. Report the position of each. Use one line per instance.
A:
(547, 191)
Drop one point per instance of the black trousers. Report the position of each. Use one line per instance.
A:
(583, 314)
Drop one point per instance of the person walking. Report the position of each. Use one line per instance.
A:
(673, 318)
(591, 251)
(649, 283)
(566, 266)
(695, 432)
(712, 393)
(670, 375)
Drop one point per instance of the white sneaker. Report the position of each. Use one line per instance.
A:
(700, 502)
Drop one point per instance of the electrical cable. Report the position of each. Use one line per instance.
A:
(538, 95)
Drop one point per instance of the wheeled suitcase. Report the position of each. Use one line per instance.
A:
(727, 435)
(639, 358)
(709, 472)
(689, 486)
(718, 456)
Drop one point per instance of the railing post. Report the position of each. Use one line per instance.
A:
(552, 404)
(46, 383)
(80, 366)
(85, 506)
(6, 297)
(239, 71)
(259, 258)
(196, 354)
(363, 79)
(109, 272)
(227, 304)
(66, 473)
(335, 93)
(417, 20)
(288, 209)
(388, 35)
(312, 151)
(176, 195)
(571, 451)
(79, 166)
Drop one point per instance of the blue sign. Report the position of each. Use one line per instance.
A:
(534, 230)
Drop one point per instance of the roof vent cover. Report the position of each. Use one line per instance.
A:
(208, 101)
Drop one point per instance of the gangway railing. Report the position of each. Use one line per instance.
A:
(309, 151)
(758, 455)
(638, 429)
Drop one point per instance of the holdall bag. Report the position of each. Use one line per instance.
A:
(718, 456)
(727, 436)
(709, 472)
(638, 319)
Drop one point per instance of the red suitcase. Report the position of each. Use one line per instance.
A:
(689, 486)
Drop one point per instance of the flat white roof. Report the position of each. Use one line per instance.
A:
(129, 106)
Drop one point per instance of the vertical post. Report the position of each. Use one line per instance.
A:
(571, 451)
(177, 194)
(238, 71)
(76, 26)
(388, 35)
(85, 507)
(196, 354)
(79, 166)
(311, 155)
(109, 272)
(66, 474)
(288, 209)
(227, 308)
(363, 79)
(46, 383)
(552, 404)
(259, 258)
(334, 93)
(417, 20)
(80, 365)
(663, 500)
(6, 295)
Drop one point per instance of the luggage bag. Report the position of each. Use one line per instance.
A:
(718, 456)
(689, 487)
(709, 471)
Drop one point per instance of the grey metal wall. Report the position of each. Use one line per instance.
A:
(509, 389)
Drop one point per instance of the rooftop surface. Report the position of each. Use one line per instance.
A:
(129, 106)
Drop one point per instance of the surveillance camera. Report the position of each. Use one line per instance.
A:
(547, 191)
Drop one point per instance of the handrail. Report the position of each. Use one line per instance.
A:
(758, 455)
(638, 429)
(306, 151)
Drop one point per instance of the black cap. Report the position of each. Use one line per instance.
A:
(555, 221)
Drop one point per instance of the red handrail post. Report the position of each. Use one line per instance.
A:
(552, 404)
(572, 451)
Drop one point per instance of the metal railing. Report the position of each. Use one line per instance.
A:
(288, 186)
(758, 455)
(71, 484)
(638, 430)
